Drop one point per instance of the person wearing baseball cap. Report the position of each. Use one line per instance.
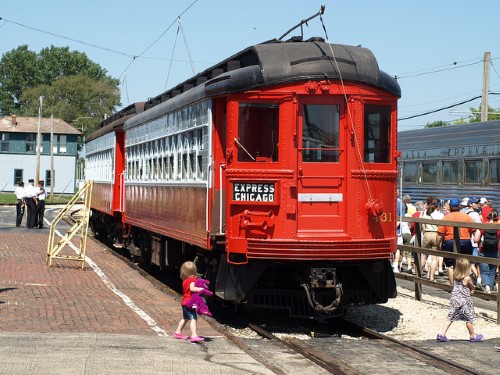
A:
(444, 238)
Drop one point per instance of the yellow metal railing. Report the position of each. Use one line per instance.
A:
(80, 228)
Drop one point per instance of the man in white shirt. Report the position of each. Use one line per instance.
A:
(20, 203)
(40, 207)
(30, 200)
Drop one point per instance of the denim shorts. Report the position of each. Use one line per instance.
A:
(188, 313)
(465, 248)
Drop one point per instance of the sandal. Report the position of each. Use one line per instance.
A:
(197, 339)
(179, 336)
(476, 338)
(442, 338)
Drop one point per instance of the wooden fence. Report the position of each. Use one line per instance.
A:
(417, 250)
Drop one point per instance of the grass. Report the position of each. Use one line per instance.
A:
(10, 198)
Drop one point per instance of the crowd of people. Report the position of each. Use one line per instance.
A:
(30, 200)
(484, 243)
(463, 275)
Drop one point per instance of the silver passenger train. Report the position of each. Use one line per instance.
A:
(453, 161)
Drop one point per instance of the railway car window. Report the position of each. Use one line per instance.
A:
(258, 132)
(429, 173)
(450, 172)
(473, 171)
(410, 173)
(320, 133)
(495, 171)
(377, 134)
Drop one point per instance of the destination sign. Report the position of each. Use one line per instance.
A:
(253, 192)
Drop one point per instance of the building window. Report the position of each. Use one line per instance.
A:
(62, 144)
(18, 176)
(30, 142)
(4, 142)
(377, 134)
(48, 180)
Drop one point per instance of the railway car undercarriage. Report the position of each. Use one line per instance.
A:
(311, 291)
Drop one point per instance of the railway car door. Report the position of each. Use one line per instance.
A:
(321, 168)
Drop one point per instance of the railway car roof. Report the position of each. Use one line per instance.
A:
(454, 135)
(274, 63)
(116, 121)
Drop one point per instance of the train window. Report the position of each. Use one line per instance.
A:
(495, 171)
(170, 167)
(450, 172)
(473, 171)
(258, 132)
(320, 133)
(199, 168)
(410, 173)
(429, 173)
(377, 133)
(186, 173)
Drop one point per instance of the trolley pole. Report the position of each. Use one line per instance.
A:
(38, 142)
(486, 86)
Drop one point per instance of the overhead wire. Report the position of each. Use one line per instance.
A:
(67, 38)
(442, 68)
(446, 107)
(134, 58)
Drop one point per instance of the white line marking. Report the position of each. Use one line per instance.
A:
(148, 319)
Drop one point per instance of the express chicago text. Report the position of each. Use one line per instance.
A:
(253, 192)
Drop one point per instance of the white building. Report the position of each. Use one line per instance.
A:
(18, 153)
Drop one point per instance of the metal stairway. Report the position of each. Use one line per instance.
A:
(79, 229)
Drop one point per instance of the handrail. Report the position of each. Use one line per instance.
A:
(417, 250)
(80, 227)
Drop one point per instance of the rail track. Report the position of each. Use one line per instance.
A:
(337, 358)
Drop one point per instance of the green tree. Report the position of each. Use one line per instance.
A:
(22, 69)
(18, 71)
(436, 124)
(475, 116)
(78, 100)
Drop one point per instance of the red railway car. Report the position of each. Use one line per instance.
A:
(275, 170)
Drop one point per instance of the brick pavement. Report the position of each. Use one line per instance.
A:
(109, 298)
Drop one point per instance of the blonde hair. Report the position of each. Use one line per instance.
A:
(188, 269)
(462, 269)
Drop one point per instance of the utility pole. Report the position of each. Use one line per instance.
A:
(486, 86)
(51, 157)
(38, 142)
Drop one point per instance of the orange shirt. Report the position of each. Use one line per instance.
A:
(448, 231)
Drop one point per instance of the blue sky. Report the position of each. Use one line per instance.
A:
(419, 41)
